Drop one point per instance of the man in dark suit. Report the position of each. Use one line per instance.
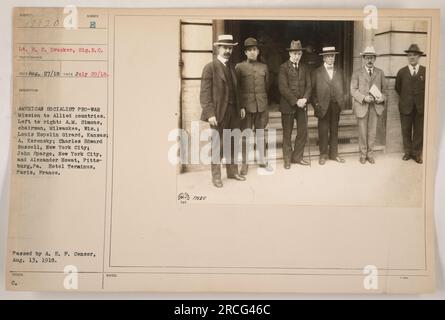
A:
(410, 85)
(220, 108)
(253, 83)
(294, 83)
(328, 100)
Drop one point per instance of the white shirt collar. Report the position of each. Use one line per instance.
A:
(412, 68)
(327, 65)
(223, 60)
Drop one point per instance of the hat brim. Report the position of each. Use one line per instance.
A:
(414, 51)
(330, 52)
(292, 49)
(225, 44)
(251, 45)
(368, 54)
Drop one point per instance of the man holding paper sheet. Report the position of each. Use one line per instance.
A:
(368, 85)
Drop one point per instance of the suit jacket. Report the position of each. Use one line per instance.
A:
(214, 95)
(411, 90)
(361, 82)
(293, 85)
(321, 90)
(253, 82)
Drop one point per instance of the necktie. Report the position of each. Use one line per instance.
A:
(414, 71)
(330, 68)
(370, 72)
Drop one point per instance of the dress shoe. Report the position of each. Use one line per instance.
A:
(286, 164)
(244, 169)
(266, 166)
(371, 160)
(303, 162)
(237, 177)
(322, 161)
(418, 160)
(362, 160)
(406, 157)
(339, 159)
(217, 183)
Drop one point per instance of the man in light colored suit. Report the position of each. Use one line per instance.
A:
(368, 85)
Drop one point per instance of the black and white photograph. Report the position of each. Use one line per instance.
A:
(304, 112)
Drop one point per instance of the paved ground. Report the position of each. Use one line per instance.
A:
(389, 182)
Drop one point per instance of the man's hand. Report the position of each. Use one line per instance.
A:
(380, 99)
(212, 121)
(369, 98)
(243, 113)
(301, 103)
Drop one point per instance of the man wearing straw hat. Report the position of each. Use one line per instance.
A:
(410, 85)
(294, 83)
(328, 100)
(253, 83)
(368, 85)
(220, 108)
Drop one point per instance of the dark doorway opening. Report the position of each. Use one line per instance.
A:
(275, 36)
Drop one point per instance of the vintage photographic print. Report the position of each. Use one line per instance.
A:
(304, 112)
(223, 150)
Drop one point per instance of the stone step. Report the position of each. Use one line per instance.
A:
(347, 119)
(343, 134)
(343, 149)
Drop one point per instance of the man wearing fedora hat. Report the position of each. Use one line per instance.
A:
(410, 85)
(220, 108)
(253, 82)
(294, 83)
(328, 100)
(368, 85)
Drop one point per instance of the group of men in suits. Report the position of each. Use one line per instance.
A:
(236, 98)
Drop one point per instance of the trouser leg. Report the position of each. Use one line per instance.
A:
(247, 146)
(323, 134)
(287, 121)
(418, 134)
(372, 130)
(231, 152)
(363, 135)
(333, 130)
(406, 121)
(216, 152)
(260, 123)
(300, 140)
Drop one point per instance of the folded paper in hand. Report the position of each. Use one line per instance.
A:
(375, 92)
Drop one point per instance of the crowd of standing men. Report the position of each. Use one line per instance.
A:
(236, 98)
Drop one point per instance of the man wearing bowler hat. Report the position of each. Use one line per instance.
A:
(328, 100)
(410, 85)
(294, 83)
(253, 83)
(220, 108)
(368, 88)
